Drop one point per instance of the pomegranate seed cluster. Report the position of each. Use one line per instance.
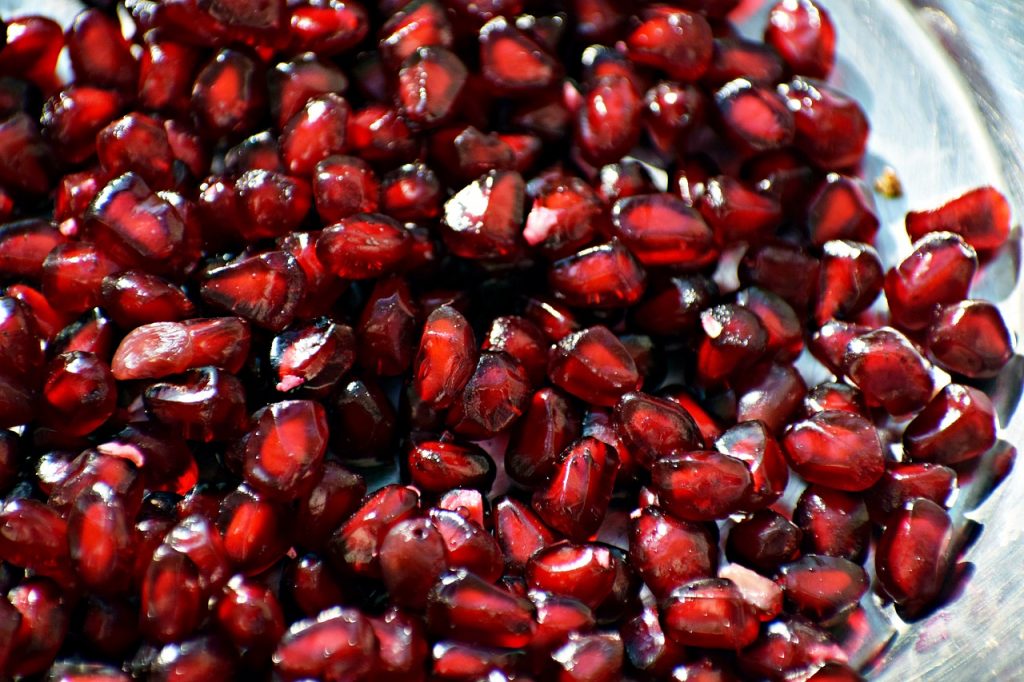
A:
(454, 340)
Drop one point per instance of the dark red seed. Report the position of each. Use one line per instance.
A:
(701, 485)
(255, 529)
(958, 424)
(495, 396)
(593, 365)
(73, 275)
(483, 220)
(834, 523)
(667, 552)
(164, 348)
(315, 133)
(44, 616)
(412, 558)
(355, 546)
(938, 272)
(674, 41)
(737, 57)
(653, 428)
(788, 645)
(71, 119)
(100, 538)
(446, 358)
(737, 211)
(32, 47)
(850, 280)
(673, 112)
(134, 298)
(21, 355)
(430, 84)
(378, 133)
(172, 600)
(842, 209)
(836, 449)
(512, 62)
(822, 587)
(662, 231)
(605, 276)
(387, 328)
(78, 393)
(981, 217)
(595, 657)
(770, 393)
(411, 192)
(781, 323)
(322, 287)
(270, 204)
(752, 443)
(139, 144)
(709, 613)
(834, 396)
(889, 371)
(332, 500)
(734, 339)
(206, 404)
(265, 289)
(609, 122)
(365, 421)
(519, 532)
(314, 586)
(831, 128)
(828, 343)
(313, 358)
(466, 608)
(344, 186)
(415, 25)
(229, 94)
(467, 545)
(24, 245)
(802, 33)
(970, 338)
(293, 83)
(576, 498)
(520, 339)
(199, 658)
(283, 454)
(166, 73)
(402, 646)
(584, 572)
(914, 555)
(784, 269)
(764, 541)
(673, 307)
(755, 117)
(34, 536)
(363, 246)
(902, 483)
(438, 466)
(458, 661)
(338, 644)
(250, 614)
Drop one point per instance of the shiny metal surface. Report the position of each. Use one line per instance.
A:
(941, 82)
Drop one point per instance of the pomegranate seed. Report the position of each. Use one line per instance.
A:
(889, 371)
(938, 272)
(355, 546)
(673, 113)
(313, 134)
(836, 449)
(32, 47)
(283, 453)
(675, 41)
(512, 62)
(344, 186)
(734, 339)
(254, 528)
(172, 606)
(35, 537)
(667, 552)
(970, 338)
(72, 276)
(674, 306)
(519, 532)
(362, 246)
(139, 144)
(313, 585)
(914, 555)
(981, 217)
(597, 657)
(709, 613)
(430, 84)
(202, 657)
(459, 661)
(250, 614)
(206, 404)
(783, 269)
(787, 646)
(468, 545)
(593, 365)
(24, 245)
(850, 280)
(831, 129)
(735, 57)
(439, 466)
(834, 523)
(467, 608)
(136, 298)
(661, 230)
(584, 572)
(753, 444)
(842, 209)
(483, 219)
(828, 344)
(902, 483)
(100, 539)
(412, 558)
(605, 276)
(445, 360)
(754, 117)
(417, 24)
(338, 644)
(654, 427)
(365, 421)
(958, 424)
(78, 393)
(822, 587)
(781, 323)
(228, 95)
(411, 192)
(522, 340)
(166, 73)
(71, 119)
(701, 485)
(610, 121)
(265, 289)
(834, 396)
(43, 625)
(402, 646)
(802, 33)
(314, 357)
(764, 541)
(576, 498)
(738, 212)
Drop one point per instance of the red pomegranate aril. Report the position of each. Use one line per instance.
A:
(646, 646)
(229, 95)
(736, 211)
(594, 366)
(788, 645)
(44, 616)
(782, 268)
(519, 338)
(831, 128)
(32, 47)
(283, 453)
(430, 85)
(270, 204)
(605, 276)
(338, 644)
(802, 33)
(621, 179)
(344, 186)
(468, 503)
(770, 393)
(553, 317)
(315, 133)
(255, 530)
(495, 396)
(250, 614)
(92, 467)
(836, 449)
(902, 483)
(100, 537)
(851, 279)
(828, 343)
(78, 393)
(576, 498)
(781, 323)
(363, 246)
(166, 73)
(512, 62)
(889, 371)
(672, 113)
(313, 585)
(834, 396)
(464, 607)
(402, 646)
(833, 522)
(21, 354)
(763, 541)
(519, 532)
(754, 117)
(475, 153)
(26, 160)
(172, 600)
(654, 427)
(970, 339)
(355, 546)
(71, 119)
(205, 404)
(11, 457)
(92, 332)
(411, 192)
(609, 122)
(34, 536)
(415, 25)
(822, 587)
(662, 231)
(365, 421)
(412, 558)
(673, 306)
(264, 289)
(293, 83)
(380, 134)
(557, 618)
(563, 216)
(957, 425)
(438, 466)
(73, 274)
(914, 555)
(459, 661)
(467, 545)
(709, 613)
(584, 572)
(938, 272)
(335, 496)
(734, 338)
(484, 218)
(752, 443)
(135, 298)
(137, 143)
(667, 552)
(737, 57)
(446, 358)
(595, 657)
(981, 217)
(842, 209)
(313, 358)
(387, 328)
(674, 41)
(762, 593)
(99, 53)
(256, 152)
(701, 485)
(24, 246)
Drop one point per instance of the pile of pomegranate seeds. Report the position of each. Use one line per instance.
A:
(454, 340)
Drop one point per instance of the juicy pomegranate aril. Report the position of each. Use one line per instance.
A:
(508, 378)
